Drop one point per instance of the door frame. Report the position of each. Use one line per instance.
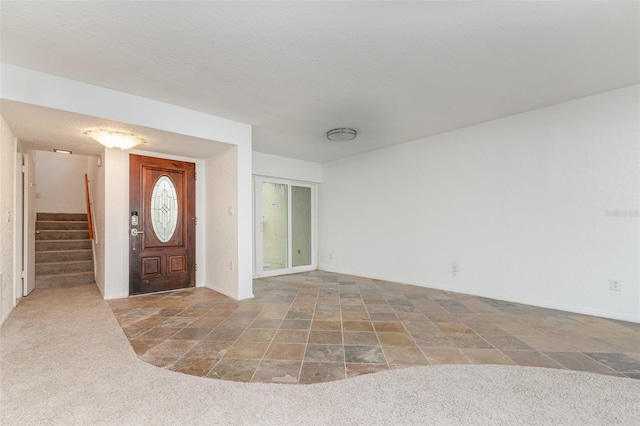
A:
(258, 269)
(28, 223)
(188, 223)
(18, 247)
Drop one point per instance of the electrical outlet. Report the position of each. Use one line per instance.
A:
(615, 285)
(330, 256)
(454, 269)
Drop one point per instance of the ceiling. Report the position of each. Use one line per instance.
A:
(47, 129)
(394, 71)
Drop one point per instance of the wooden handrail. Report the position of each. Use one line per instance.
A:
(89, 216)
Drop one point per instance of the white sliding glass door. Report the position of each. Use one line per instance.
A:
(284, 226)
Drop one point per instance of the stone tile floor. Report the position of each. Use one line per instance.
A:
(319, 327)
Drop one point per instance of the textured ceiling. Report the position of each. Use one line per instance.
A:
(394, 71)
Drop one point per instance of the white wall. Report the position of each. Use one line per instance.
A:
(60, 182)
(244, 211)
(222, 223)
(32, 87)
(539, 208)
(116, 242)
(286, 168)
(97, 192)
(8, 149)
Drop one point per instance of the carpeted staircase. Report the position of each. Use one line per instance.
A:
(63, 250)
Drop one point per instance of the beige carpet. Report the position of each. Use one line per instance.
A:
(65, 360)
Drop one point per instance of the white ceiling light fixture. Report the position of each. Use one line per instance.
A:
(341, 134)
(115, 139)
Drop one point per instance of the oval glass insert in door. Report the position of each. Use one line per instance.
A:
(164, 208)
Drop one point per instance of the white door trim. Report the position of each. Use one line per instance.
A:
(18, 250)
(29, 224)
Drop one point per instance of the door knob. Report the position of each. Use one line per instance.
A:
(135, 232)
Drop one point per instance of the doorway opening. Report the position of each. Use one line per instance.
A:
(285, 226)
(162, 224)
(56, 246)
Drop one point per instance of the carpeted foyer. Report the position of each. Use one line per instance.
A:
(321, 327)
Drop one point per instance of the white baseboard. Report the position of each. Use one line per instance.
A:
(566, 308)
(231, 294)
(538, 303)
(5, 317)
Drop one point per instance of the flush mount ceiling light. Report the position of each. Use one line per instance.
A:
(341, 134)
(114, 139)
(62, 151)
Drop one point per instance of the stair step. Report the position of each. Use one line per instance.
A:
(62, 216)
(49, 245)
(63, 255)
(64, 267)
(61, 225)
(62, 235)
(62, 280)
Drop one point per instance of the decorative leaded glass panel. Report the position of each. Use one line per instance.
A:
(164, 208)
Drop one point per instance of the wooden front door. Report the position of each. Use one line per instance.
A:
(162, 224)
